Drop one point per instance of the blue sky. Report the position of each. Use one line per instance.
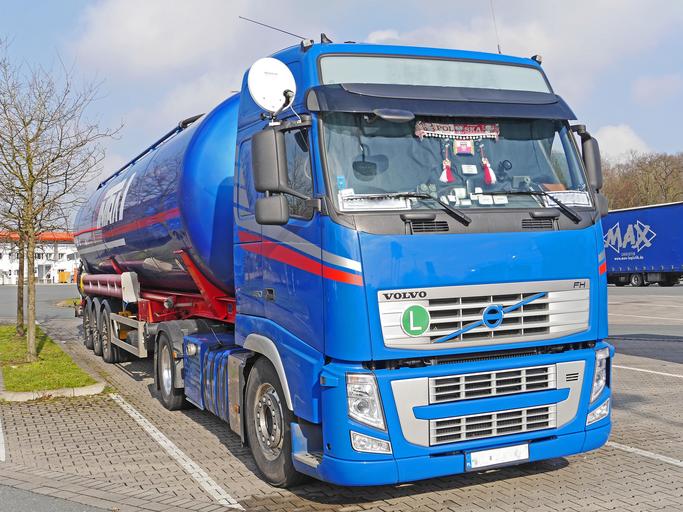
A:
(617, 63)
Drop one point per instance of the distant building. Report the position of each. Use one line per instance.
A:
(56, 260)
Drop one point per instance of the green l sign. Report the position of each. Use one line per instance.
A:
(415, 321)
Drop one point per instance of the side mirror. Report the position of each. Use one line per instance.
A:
(591, 159)
(272, 210)
(269, 161)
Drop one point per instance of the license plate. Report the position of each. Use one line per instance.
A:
(497, 457)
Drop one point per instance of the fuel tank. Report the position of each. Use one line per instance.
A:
(177, 197)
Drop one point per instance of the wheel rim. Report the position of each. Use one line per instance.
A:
(269, 421)
(165, 370)
(86, 326)
(93, 328)
(105, 335)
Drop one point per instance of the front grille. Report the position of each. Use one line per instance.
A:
(452, 388)
(450, 315)
(560, 308)
(429, 226)
(500, 423)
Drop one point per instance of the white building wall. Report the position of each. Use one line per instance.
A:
(50, 260)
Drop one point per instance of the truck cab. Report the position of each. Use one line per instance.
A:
(419, 261)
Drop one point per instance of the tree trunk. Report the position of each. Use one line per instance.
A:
(20, 288)
(31, 309)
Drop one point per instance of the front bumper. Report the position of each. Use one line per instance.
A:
(408, 469)
(413, 459)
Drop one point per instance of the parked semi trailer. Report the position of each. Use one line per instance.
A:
(377, 264)
(644, 245)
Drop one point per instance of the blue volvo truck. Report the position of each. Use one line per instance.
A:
(644, 245)
(377, 264)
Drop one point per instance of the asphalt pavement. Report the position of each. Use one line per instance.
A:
(15, 500)
(47, 297)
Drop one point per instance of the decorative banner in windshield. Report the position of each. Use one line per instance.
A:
(460, 131)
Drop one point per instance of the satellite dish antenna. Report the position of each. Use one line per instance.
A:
(271, 85)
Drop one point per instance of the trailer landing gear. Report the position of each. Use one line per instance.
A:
(268, 426)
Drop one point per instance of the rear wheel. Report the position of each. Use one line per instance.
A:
(87, 324)
(171, 397)
(96, 324)
(268, 426)
(110, 352)
(637, 280)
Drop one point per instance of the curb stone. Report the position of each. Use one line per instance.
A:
(25, 396)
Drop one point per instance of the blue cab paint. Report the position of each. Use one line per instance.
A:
(327, 278)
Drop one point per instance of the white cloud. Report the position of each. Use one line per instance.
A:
(577, 48)
(656, 89)
(382, 36)
(140, 39)
(196, 96)
(617, 142)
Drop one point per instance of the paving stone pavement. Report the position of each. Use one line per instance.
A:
(90, 451)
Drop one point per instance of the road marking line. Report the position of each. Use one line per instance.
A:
(637, 316)
(647, 371)
(2, 444)
(191, 467)
(649, 455)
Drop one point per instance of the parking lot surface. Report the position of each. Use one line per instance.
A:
(122, 450)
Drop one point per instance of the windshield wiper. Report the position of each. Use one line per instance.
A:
(456, 213)
(567, 210)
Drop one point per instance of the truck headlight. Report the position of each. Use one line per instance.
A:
(600, 374)
(363, 399)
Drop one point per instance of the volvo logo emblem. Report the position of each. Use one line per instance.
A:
(493, 316)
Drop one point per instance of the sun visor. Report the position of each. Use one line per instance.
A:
(437, 101)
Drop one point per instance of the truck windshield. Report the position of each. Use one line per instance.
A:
(467, 163)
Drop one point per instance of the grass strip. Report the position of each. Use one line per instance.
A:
(54, 368)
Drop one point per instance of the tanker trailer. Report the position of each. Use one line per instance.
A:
(377, 264)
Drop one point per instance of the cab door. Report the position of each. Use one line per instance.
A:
(247, 238)
(292, 254)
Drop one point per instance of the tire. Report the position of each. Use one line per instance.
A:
(95, 322)
(267, 413)
(87, 324)
(170, 397)
(110, 352)
(637, 280)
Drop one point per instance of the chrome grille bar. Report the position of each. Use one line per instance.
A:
(499, 423)
(452, 388)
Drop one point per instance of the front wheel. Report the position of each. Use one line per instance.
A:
(268, 426)
(171, 397)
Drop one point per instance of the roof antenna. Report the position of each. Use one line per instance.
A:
(495, 25)
(271, 27)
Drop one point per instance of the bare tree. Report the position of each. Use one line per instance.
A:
(48, 150)
(644, 178)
